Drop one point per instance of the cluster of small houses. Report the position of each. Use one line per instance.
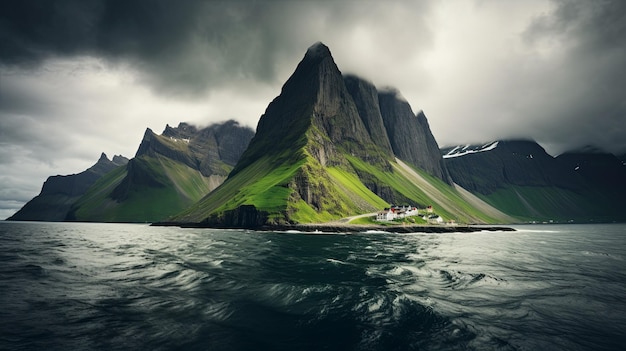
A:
(400, 212)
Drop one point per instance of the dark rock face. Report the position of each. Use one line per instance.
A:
(314, 96)
(232, 140)
(245, 216)
(346, 113)
(59, 192)
(603, 170)
(583, 185)
(207, 149)
(513, 162)
(410, 135)
(365, 97)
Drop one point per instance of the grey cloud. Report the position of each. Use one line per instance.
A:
(187, 47)
(587, 81)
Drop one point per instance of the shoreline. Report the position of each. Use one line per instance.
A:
(351, 228)
(400, 229)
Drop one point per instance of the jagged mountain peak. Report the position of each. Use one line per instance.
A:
(103, 157)
(325, 136)
(60, 191)
(183, 128)
(318, 51)
(148, 134)
(120, 160)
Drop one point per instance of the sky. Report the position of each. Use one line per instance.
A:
(82, 77)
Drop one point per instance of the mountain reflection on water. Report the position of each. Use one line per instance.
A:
(116, 286)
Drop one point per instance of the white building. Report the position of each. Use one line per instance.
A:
(396, 212)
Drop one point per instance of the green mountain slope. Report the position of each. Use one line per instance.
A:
(169, 173)
(521, 179)
(167, 187)
(313, 159)
(59, 193)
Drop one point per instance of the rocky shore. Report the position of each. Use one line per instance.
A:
(355, 228)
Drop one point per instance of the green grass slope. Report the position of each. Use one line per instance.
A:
(288, 188)
(165, 187)
(555, 204)
(296, 188)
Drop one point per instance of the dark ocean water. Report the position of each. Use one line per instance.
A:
(134, 287)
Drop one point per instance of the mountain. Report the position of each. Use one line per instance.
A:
(326, 148)
(61, 191)
(520, 178)
(411, 141)
(168, 173)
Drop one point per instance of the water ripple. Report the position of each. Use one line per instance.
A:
(105, 286)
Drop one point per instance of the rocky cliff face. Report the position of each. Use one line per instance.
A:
(208, 149)
(410, 135)
(510, 162)
(59, 192)
(212, 151)
(365, 97)
(314, 100)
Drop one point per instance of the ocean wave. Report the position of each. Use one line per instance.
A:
(102, 286)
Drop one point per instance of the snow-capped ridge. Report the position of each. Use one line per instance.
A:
(463, 150)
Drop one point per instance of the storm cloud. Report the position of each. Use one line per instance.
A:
(195, 45)
(79, 77)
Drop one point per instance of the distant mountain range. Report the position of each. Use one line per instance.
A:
(60, 192)
(328, 147)
(521, 179)
(169, 172)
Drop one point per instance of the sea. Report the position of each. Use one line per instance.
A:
(81, 286)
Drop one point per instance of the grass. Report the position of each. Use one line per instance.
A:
(466, 210)
(178, 187)
(353, 184)
(264, 184)
(303, 213)
(269, 184)
(549, 203)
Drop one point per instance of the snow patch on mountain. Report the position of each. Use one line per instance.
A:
(463, 150)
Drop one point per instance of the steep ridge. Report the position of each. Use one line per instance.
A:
(60, 192)
(365, 97)
(282, 176)
(168, 173)
(485, 168)
(410, 135)
(319, 154)
(520, 178)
